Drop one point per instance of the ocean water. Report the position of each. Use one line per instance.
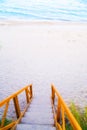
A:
(65, 10)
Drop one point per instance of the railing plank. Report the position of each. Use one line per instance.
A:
(7, 127)
(27, 95)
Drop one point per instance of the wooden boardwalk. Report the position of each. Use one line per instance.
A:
(39, 115)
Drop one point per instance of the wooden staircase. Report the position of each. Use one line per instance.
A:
(39, 115)
(40, 112)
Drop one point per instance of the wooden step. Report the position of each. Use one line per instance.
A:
(39, 115)
(39, 109)
(34, 127)
(39, 121)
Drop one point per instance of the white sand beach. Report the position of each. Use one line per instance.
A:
(42, 53)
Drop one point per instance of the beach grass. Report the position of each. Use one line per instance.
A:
(80, 115)
(7, 121)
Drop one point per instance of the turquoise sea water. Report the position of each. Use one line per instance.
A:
(65, 10)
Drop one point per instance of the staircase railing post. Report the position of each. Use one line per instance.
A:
(27, 96)
(53, 93)
(17, 107)
(58, 110)
(63, 119)
(31, 91)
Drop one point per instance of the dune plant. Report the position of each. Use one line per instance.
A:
(81, 116)
(7, 121)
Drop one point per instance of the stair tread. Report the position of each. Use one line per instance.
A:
(42, 104)
(39, 110)
(38, 114)
(34, 127)
(39, 121)
(41, 101)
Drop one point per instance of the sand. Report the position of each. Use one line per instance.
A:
(42, 52)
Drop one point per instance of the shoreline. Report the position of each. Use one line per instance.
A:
(41, 22)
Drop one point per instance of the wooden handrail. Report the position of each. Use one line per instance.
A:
(14, 97)
(15, 94)
(61, 111)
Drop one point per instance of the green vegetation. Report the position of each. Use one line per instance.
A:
(7, 121)
(81, 116)
(68, 127)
